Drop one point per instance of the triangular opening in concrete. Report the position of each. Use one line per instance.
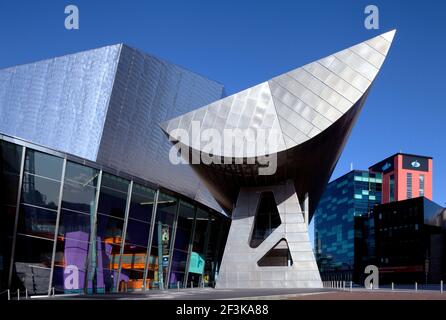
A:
(267, 219)
(278, 256)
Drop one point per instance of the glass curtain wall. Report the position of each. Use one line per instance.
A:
(74, 247)
(10, 163)
(37, 221)
(75, 228)
(167, 207)
(182, 242)
(198, 254)
(214, 250)
(110, 223)
(134, 253)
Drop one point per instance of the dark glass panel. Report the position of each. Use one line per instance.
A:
(131, 280)
(43, 164)
(152, 268)
(112, 202)
(81, 174)
(186, 216)
(78, 197)
(10, 157)
(33, 263)
(137, 232)
(114, 182)
(9, 185)
(7, 218)
(37, 222)
(166, 209)
(132, 268)
(200, 231)
(108, 255)
(40, 191)
(182, 239)
(134, 257)
(109, 229)
(179, 260)
(177, 279)
(74, 225)
(141, 203)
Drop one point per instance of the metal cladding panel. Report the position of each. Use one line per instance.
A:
(315, 105)
(247, 111)
(60, 103)
(148, 91)
(306, 101)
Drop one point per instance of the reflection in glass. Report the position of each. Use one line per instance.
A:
(178, 267)
(9, 185)
(162, 235)
(197, 259)
(33, 263)
(109, 229)
(80, 174)
(141, 203)
(114, 182)
(137, 232)
(182, 239)
(10, 160)
(40, 192)
(43, 164)
(78, 197)
(70, 262)
(72, 223)
(10, 157)
(137, 235)
(74, 260)
(37, 222)
(132, 270)
(112, 202)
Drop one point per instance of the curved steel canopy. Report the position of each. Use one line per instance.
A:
(306, 116)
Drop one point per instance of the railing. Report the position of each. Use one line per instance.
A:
(349, 286)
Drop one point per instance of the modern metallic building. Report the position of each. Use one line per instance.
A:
(344, 238)
(89, 200)
(303, 119)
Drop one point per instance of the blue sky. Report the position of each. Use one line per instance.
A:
(241, 43)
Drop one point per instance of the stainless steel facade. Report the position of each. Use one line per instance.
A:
(105, 105)
(313, 108)
(303, 119)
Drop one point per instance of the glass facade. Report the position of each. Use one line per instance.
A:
(341, 224)
(410, 241)
(391, 188)
(79, 229)
(421, 185)
(409, 185)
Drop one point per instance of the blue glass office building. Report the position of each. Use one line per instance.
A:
(342, 227)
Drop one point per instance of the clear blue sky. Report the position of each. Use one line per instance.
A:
(244, 42)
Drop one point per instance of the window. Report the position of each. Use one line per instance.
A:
(409, 185)
(391, 188)
(421, 180)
